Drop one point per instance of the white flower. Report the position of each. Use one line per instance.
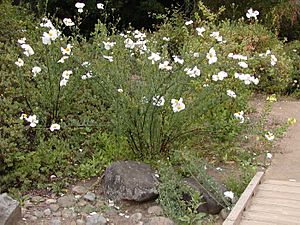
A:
(240, 116)
(108, 45)
(138, 35)
(28, 51)
(47, 23)
(273, 60)
(100, 6)
(195, 72)
(32, 120)
(269, 155)
(50, 36)
(86, 63)
(211, 56)
(87, 75)
(66, 74)
(229, 194)
(63, 82)
(129, 43)
(220, 76)
(196, 54)
(20, 62)
(35, 70)
(189, 22)
(177, 105)
(109, 58)
(120, 90)
(158, 100)
(54, 127)
(231, 94)
(80, 6)
(164, 66)
(243, 65)
(269, 136)
(200, 31)
(22, 40)
(62, 59)
(154, 57)
(250, 13)
(166, 38)
(68, 22)
(67, 50)
(178, 60)
(23, 116)
(237, 56)
(263, 55)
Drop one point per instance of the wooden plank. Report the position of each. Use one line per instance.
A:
(273, 187)
(235, 215)
(254, 222)
(269, 208)
(271, 217)
(282, 182)
(277, 194)
(277, 202)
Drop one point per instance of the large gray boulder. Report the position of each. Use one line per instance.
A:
(210, 205)
(130, 180)
(10, 210)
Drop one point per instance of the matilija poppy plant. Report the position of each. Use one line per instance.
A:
(79, 6)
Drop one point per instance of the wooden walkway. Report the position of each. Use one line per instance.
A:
(268, 202)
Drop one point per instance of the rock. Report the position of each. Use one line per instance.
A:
(56, 221)
(155, 210)
(224, 213)
(136, 217)
(80, 222)
(159, 220)
(38, 214)
(28, 204)
(37, 199)
(129, 180)
(90, 196)
(51, 201)
(79, 189)
(67, 213)
(10, 210)
(54, 207)
(95, 220)
(81, 203)
(47, 212)
(57, 214)
(209, 205)
(66, 201)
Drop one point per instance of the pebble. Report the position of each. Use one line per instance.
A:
(38, 214)
(47, 212)
(56, 221)
(66, 201)
(54, 207)
(90, 196)
(37, 199)
(80, 222)
(224, 213)
(155, 210)
(79, 189)
(81, 203)
(95, 220)
(136, 217)
(28, 204)
(159, 220)
(51, 201)
(88, 209)
(67, 213)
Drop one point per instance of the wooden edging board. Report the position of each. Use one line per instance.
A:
(236, 213)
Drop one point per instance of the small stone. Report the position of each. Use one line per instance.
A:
(136, 217)
(54, 207)
(95, 220)
(81, 203)
(79, 189)
(90, 196)
(38, 214)
(47, 212)
(51, 201)
(224, 213)
(73, 222)
(88, 209)
(57, 214)
(37, 199)
(67, 213)
(80, 222)
(56, 221)
(66, 201)
(159, 220)
(155, 210)
(28, 204)
(31, 217)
